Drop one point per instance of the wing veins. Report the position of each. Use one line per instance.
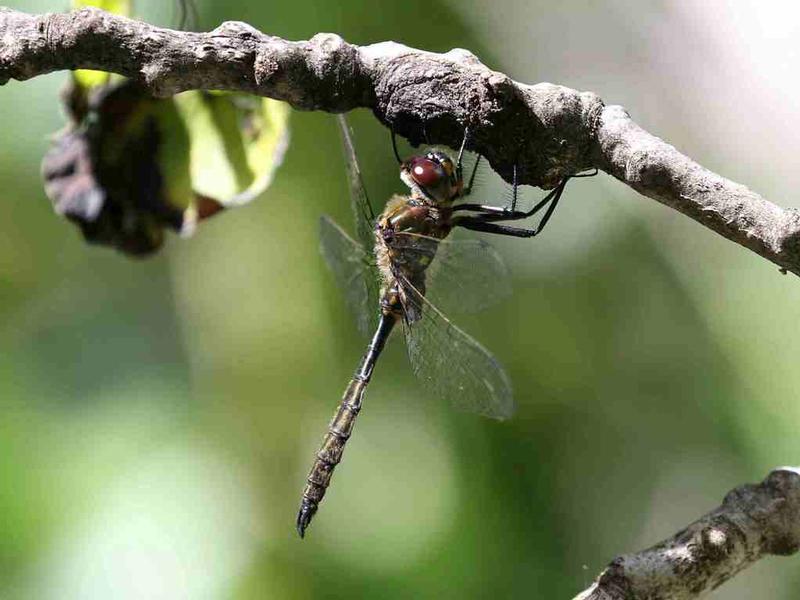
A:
(467, 361)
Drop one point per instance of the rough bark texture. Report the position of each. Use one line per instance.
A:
(753, 521)
(548, 131)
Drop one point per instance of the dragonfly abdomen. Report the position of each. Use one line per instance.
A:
(341, 426)
(330, 453)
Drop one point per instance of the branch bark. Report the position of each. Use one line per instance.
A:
(548, 131)
(753, 521)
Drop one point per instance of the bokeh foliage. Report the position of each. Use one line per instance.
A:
(159, 417)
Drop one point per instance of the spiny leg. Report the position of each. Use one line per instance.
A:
(551, 201)
(460, 164)
(499, 213)
(394, 147)
(514, 190)
(512, 212)
(468, 189)
(459, 160)
(552, 207)
(487, 222)
(478, 224)
(489, 215)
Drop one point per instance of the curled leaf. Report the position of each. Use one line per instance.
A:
(122, 173)
(237, 141)
(128, 166)
(118, 7)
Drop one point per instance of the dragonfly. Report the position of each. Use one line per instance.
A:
(399, 269)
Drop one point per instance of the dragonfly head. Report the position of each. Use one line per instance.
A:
(433, 176)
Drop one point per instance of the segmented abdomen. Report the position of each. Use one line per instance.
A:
(330, 453)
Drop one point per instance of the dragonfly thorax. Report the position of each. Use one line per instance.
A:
(433, 177)
(406, 239)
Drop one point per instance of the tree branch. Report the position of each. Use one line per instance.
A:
(753, 521)
(548, 131)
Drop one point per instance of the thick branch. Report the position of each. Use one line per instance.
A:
(754, 521)
(548, 131)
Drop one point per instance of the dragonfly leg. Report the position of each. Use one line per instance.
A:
(478, 224)
(505, 210)
(394, 147)
(486, 222)
(552, 206)
(459, 160)
(501, 213)
(483, 208)
(468, 190)
(514, 190)
(460, 164)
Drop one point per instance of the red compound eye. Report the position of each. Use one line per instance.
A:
(426, 172)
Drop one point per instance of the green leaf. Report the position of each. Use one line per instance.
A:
(237, 141)
(88, 78)
(118, 7)
(130, 166)
(173, 155)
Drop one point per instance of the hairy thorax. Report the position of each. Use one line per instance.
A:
(406, 236)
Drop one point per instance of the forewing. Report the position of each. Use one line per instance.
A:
(354, 271)
(464, 275)
(452, 364)
(359, 201)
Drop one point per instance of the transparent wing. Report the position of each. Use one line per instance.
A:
(354, 271)
(359, 201)
(452, 364)
(464, 275)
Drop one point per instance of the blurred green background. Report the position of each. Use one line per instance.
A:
(159, 417)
